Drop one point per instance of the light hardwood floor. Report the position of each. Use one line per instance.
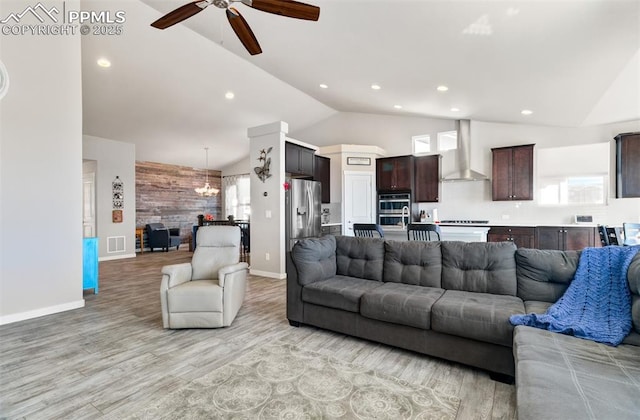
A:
(112, 358)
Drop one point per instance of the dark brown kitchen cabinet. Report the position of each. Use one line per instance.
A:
(627, 165)
(298, 160)
(394, 173)
(523, 237)
(512, 170)
(427, 179)
(322, 173)
(565, 238)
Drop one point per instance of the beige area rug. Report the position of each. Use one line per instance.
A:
(282, 381)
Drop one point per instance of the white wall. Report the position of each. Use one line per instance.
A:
(240, 167)
(40, 174)
(472, 200)
(268, 232)
(113, 158)
(392, 133)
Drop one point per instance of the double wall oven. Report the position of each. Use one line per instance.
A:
(394, 209)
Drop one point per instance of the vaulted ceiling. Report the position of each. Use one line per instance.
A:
(572, 63)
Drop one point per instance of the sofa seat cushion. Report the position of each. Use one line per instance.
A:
(536, 307)
(400, 303)
(479, 316)
(564, 377)
(339, 292)
(195, 296)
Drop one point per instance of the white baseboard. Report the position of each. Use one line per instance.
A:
(36, 313)
(117, 257)
(279, 276)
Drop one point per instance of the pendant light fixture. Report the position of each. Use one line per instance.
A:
(207, 190)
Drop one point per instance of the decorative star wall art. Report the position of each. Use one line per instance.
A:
(263, 171)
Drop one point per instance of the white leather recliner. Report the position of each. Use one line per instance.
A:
(208, 291)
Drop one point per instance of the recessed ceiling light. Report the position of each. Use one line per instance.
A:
(397, 106)
(323, 86)
(442, 88)
(103, 62)
(229, 95)
(526, 112)
(376, 87)
(455, 109)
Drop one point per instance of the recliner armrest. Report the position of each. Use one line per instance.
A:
(176, 274)
(230, 269)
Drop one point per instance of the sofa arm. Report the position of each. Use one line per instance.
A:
(175, 274)
(294, 293)
(172, 275)
(230, 271)
(233, 280)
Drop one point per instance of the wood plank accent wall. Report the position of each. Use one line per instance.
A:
(165, 194)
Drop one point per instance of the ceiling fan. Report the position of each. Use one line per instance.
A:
(288, 8)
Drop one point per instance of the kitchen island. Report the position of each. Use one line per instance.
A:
(564, 237)
(448, 232)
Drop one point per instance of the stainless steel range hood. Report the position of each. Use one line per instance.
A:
(464, 171)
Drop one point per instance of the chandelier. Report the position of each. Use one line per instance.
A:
(207, 190)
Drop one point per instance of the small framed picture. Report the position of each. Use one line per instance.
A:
(116, 216)
(364, 161)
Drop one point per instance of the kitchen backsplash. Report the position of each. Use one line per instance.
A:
(335, 213)
(472, 201)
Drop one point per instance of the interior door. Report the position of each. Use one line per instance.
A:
(358, 200)
(89, 205)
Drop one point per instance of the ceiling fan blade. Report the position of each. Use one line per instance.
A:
(288, 8)
(180, 14)
(244, 32)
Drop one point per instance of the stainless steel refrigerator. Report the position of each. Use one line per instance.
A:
(303, 210)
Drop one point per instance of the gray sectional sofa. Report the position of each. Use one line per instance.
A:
(453, 300)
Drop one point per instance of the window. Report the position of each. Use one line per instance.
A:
(447, 140)
(574, 175)
(237, 196)
(573, 190)
(421, 144)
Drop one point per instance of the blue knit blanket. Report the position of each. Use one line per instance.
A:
(597, 304)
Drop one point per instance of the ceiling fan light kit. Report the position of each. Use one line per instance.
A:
(288, 8)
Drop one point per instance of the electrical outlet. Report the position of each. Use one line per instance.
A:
(267, 214)
(267, 256)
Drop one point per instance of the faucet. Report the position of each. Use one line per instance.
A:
(402, 216)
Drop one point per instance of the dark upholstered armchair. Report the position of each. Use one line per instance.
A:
(158, 236)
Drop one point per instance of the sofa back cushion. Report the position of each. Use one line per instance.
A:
(482, 267)
(544, 275)
(360, 257)
(633, 276)
(413, 262)
(315, 259)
